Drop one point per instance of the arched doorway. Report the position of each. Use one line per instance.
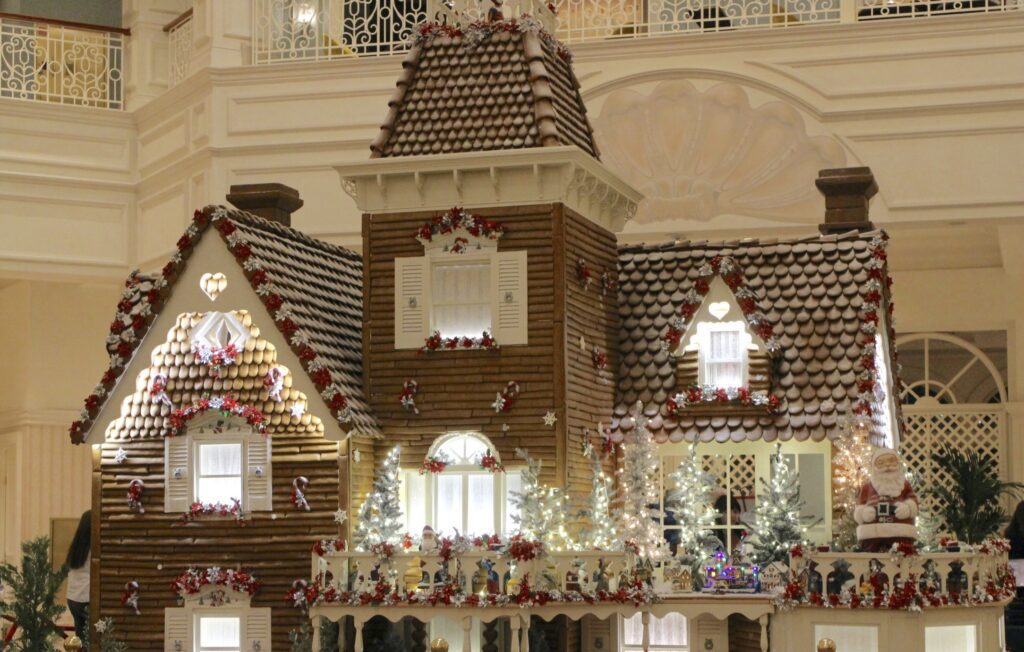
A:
(953, 394)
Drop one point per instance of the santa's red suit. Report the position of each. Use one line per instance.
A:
(883, 518)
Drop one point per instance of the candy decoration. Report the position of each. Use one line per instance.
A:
(130, 597)
(408, 396)
(135, 489)
(158, 390)
(506, 398)
(274, 383)
(299, 487)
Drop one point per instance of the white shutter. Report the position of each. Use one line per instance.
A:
(178, 630)
(260, 486)
(412, 294)
(257, 630)
(177, 474)
(510, 297)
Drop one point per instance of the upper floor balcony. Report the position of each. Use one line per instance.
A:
(47, 60)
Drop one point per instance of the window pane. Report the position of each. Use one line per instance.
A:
(414, 501)
(480, 519)
(724, 374)
(219, 632)
(218, 490)
(513, 484)
(462, 299)
(449, 504)
(725, 345)
(220, 459)
(811, 467)
(667, 633)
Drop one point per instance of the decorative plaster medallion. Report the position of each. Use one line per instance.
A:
(213, 284)
(699, 154)
(719, 309)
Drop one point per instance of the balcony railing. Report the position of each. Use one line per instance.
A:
(179, 46)
(304, 30)
(66, 63)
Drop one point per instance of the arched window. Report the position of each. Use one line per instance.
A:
(465, 496)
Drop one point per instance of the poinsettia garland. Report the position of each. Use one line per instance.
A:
(136, 311)
(216, 357)
(708, 395)
(908, 596)
(480, 30)
(873, 293)
(455, 219)
(226, 405)
(434, 464)
(199, 509)
(730, 272)
(193, 579)
(437, 343)
(326, 547)
(488, 462)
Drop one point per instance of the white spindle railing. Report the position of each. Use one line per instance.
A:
(65, 63)
(179, 43)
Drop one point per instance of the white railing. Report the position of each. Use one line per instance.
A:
(66, 63)
(179, 43)
(304, 30)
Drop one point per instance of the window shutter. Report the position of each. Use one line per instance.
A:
(177, 474)
(178, 630)
(510, 298)
(412, 294)
(257, 630)
(260, 487)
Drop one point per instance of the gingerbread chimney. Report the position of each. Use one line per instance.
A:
(848, 192)
(273, 201)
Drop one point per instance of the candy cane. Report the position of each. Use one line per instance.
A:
(130, 597)
(158, 390)
(299, 594)
(135, 489)
(299, 486)
(408, 396)
(274, 382)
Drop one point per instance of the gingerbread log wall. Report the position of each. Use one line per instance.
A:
(456, 388)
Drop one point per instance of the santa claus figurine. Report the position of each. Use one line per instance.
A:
(886, 505)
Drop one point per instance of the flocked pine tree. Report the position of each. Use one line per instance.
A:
(598, 531)
(638, 491)
(380, 517)
(777, 525)
(33, 589)
(692, 506)
(850, 461)
(541, 509)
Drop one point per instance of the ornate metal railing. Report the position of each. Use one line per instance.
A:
(179, 43)
(303, 30)
(55, 61)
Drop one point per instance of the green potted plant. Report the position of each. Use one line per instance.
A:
(969, 503)
(34, 604)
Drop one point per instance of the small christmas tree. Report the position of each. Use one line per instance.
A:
(692, 505)
(541, 509)
(777, 525)
(638, 494)
(599, 532)
(380, 517)
(850, 461)
(34, 605)
(108, 637)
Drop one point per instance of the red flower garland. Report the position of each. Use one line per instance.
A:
(226, 405)
(708, 395)
(198, 509)
(437, 343)
(490, 463)
(455, 219)
(434, 464)
(192, 580)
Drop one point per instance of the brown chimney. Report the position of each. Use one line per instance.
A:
(848, 191)
(273, 201)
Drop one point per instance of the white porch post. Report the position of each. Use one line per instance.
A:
(467, 625)
(764, 632)
(645, 618)
(358, 645)
(514, 624)
(316, 634)
(525, 647)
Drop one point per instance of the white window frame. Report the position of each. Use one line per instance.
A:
(199, 441)
(465, 469)
(219, 612)
(458, 260)
(702, 343)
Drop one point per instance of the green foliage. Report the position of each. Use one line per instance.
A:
(34, 606)
(777, 525)
(107, 641)
(302, 638)
(969, 503)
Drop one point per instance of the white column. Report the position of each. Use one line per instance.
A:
(525, 647)
(358, 645)
(467, 625)
(145, 51)
(847, 11)
(764, 632)
(316, 634)
(645, 618)
(514, 625)
(221, 33)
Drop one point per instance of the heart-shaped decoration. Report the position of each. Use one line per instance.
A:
(213, 284)
(719, 309)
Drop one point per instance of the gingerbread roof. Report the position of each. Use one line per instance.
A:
(489, 86)
(314, 292)
(818, 296)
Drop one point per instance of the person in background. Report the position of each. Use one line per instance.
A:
(78, 577)
(1015, 533)
(728, 537)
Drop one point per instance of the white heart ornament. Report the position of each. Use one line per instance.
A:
(213, 284)
(719, 309)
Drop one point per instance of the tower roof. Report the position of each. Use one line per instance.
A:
(487, 86)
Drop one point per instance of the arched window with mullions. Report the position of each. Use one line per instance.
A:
(465, 496)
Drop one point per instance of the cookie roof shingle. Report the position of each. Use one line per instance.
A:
(313, 289)
(810, 289)
(505, 90)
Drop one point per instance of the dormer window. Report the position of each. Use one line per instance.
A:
(722, 349)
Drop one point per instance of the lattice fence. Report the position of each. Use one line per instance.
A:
(733, 472)
(982, 430)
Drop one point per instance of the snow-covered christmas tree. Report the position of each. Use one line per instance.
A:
(598, 531)
(692, 505)
(380, 517)
(541, 509)
(638, 492)
(850, 461)
(777, 525)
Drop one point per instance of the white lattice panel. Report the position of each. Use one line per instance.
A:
(734, 472)
(981, 430)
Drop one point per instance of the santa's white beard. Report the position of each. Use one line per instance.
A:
(888, 483)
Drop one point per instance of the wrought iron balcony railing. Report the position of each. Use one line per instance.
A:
(66, 63)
